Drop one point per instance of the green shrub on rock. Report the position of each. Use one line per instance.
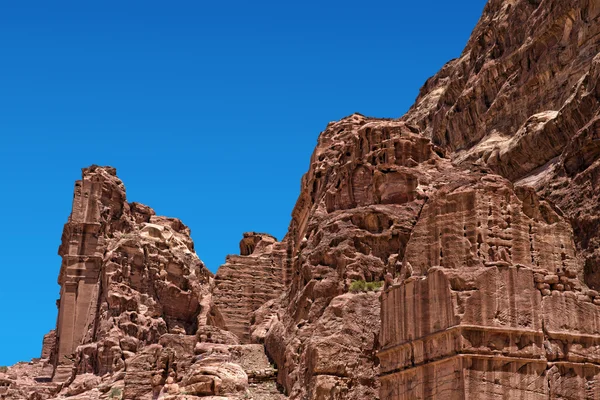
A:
(363, 286)
(115, 393)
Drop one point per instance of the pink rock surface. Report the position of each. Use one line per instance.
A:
(246, 282)
(450, 254)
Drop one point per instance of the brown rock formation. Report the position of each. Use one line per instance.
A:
(49, 344)
(450, 254)
(499, 306)
(359, 202)
(246, 282)
(127, 278)
(483, 314)
(515, 100)
(523, 99)
(136, 316)
(380, 200)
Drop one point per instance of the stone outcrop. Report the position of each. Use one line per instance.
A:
(246, 282)
(452, 253)
(382, 203)
(499, 305)
(523, 99)
(520, 103)
(359, 202)
(127, 277)
(136, 315)
(494, 305)
(49, 344)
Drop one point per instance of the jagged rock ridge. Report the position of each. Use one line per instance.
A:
(477, 212)
(247, 281)
(136, 315)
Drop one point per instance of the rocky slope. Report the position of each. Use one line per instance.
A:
(246, 282)
(523, 100)
(520, 102)
(136, 315)
(452, 253)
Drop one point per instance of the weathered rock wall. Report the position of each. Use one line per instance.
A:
(246, 282)
(359, 202)
(505, 315)
(98, 202)
(523, 99)
(137, 318)
(479, 209)
(493, 300)
(127, 278)
(522, 94)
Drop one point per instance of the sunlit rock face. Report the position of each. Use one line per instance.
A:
(136, 315)
(493, 304)
(360, 200)
(496, 298)
(449, 254)
(523, 99)
(249, 280)
(482, 204)
(474, 267)
(128, 277)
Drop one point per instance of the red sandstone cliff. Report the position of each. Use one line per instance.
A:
(136, 316)
(523, 99)
(521, 102)
(450, 254)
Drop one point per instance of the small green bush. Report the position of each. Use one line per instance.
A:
(358, 286)
(115, 393)
(362, 286)
(3, 369)
(376, 285)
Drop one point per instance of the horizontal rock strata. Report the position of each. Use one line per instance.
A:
(136, 315)
(453, 253)
(246, 282)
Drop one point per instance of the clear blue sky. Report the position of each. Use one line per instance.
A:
(209, 112)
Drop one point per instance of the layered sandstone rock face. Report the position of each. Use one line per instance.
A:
(127, 278)
(468, 256)
(360, 200)
(523, 100)
(246, 282)
(450, 254)
(498, 303)
(136, 314)
(494, 306)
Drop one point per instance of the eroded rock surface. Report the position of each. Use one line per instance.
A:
(523, 99)
(136, 314)
(360, 200)
(520, 102)
(128, 277)
(494, 306)
(246, 282)
(450, 254)
(500, 301)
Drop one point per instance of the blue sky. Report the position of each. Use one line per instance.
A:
(209, 112)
